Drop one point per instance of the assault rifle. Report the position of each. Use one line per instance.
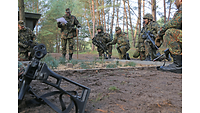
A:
(166, 54)
(148, 35)
(37, 70)
(99, 44)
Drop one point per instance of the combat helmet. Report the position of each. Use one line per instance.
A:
(21, 23)
(100, 27)
(148, 16)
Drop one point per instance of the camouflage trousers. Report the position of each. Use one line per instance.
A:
(173, 38)
(139, 53)
(101, 51)
(149, 50)
(70, 45)
(21, 68)
(122, 51)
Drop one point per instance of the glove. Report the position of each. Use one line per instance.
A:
(158, 41)
(78, 25)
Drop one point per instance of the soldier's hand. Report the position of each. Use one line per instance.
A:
(108, 44)
(158, 41)
(78, 25)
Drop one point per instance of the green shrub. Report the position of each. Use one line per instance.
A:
(50, 61)
(130, 64)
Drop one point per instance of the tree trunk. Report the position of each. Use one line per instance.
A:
(169, 10)
(153, 8)
(164, 11)
(123, 21)
(139, 15)
(130, 21)
(117, 22)
(143, 7)
(111, 27)
(135, 33)
(126, 19)
(104, 19)
(21, 10)
(98, 13)
(93, 20)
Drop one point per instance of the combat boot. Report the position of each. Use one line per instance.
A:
(175, 67)
(70, 56)
(64, 55)
(109, 56)
(148, 58)
(105, 56)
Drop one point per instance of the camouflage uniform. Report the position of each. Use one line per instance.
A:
(140, 48)
(172, 32)
(104, 38)
(122, 43)
(21, 68)
(24, 36)
(68, 32)
(145, 47)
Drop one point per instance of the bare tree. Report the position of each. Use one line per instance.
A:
(169, 10)
(117, 22)
(126, 18)
(93, 21)
(164, 11)
(143, 7)
(111, 27)
(139, 15)
(21, 10)
(153, 8)
(130, 21)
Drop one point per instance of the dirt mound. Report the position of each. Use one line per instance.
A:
(134, 90)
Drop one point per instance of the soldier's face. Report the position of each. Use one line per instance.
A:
(118, 31)
(20, 27)
(67, 13)
(146, 21)
(98, 30)
(178, 3)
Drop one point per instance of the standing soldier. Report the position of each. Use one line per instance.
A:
(26, 41)
(122, 43)
(68, 32)
(171, 32)
(103, 39)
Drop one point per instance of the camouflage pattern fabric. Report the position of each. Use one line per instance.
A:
(68, 32)
(21, 68)
(145, 44)
(104, 38)
(172, 32)
(122, 44)
(70, 45)
(24, 35)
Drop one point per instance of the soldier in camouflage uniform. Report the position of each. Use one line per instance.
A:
(122, 43)
(26, 41)
(104, 38)
(171, 32)
(153, 27)
(68, 32)
(140, 48)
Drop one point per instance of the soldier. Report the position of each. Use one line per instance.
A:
(26, 41)
(104, 38)
(68, 32)
(140, 48)
(122, 43)
(171, 32)
(153, 27)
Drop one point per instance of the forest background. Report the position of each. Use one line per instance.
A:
(127, 14)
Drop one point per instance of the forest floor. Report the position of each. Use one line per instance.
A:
(138, 89)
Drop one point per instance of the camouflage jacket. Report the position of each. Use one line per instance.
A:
(24, 36)
(153, 27)
(176, 22)
(68, 29)
(102, 37)
(121, 40)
